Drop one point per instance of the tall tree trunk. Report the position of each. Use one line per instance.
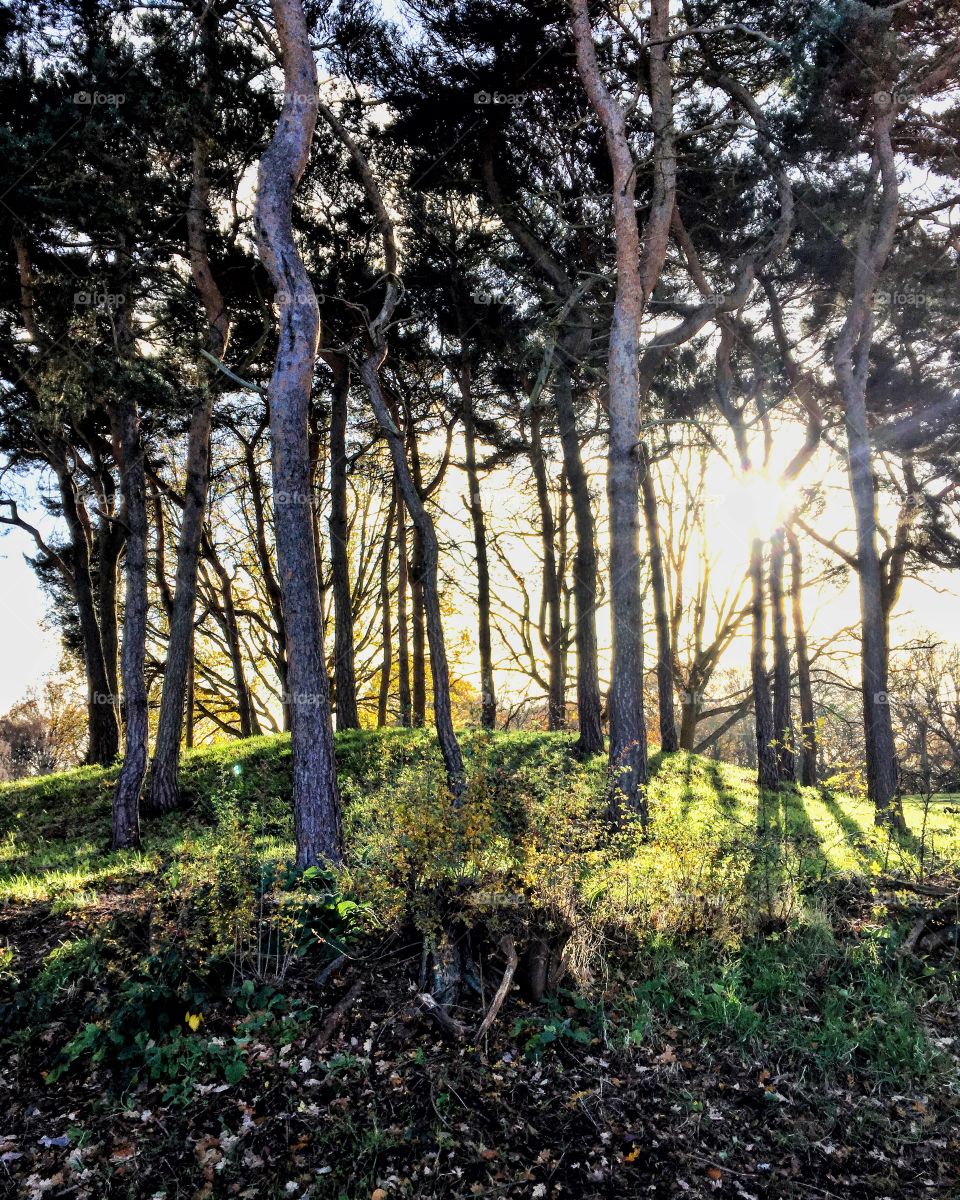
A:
(344, 675)
(552, 600)
(763, 711)
(403, 639)
(782, 715)
(638, 268)
(488, 695)
(658, 584)
(807, 741)
(125, 426)
(110, 544)
(428, 563)
(418, 629)
(316, 798)
(225, 615)
(386, 633)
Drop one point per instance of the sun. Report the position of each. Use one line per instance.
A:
(755, 503)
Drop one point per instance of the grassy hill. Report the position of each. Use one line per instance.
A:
(738, 1008)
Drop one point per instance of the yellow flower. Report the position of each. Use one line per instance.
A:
(193, 1020)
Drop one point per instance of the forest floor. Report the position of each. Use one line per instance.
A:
(752, 1005)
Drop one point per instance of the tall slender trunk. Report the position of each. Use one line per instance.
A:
(782, 714)
(428, 560)
(225, 615)
(807, 741)
(874, 662)
(110, 544)
(551, 635)
(488, 695)
(386, 633)
(658, 584)
(125, 426)
(164, 787)
(403, 639)
(344, 675)
(418, 628)
(763, 711)
(316, 798)
(638, 268)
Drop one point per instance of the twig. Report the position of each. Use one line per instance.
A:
(450, 1025)
(336, 1015)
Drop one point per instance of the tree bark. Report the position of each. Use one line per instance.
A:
(125, 426)
(552, 635)
(403, 639)
(668, 720)
(807, 741)
(488, 695)
(782, 714)
(344, 674)
(851, 361)
(316, 799)
(164, 785)
(767, 777)
(638, 268)
(418, 628)
(386, 633)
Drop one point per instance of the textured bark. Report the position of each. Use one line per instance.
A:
(551, 631)
(782, 714)
(316, 799)
(418, 630)
(851, 361)
(585, 587)
(638, 268)
(386, 632)
(807, 741)
(344, 675)
(658, 584)
(763, 711)
(125, 426)
(488, 694)
(225, 614)
(164, 786)
(410, 492)
(429, 558)
(403, 639)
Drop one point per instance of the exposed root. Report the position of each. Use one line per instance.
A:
(508, 948)
(449, 1025)
(336, 1015)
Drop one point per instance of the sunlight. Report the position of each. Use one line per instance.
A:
(756, 502)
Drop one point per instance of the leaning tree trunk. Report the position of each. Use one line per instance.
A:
(344, 674)
(658, 584)
(763, 712)
(488, 695)
(782, 715)
(552, 600)
(428, 561)
(808, 722)
(316, 799)
(125, 425)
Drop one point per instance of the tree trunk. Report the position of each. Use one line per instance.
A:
(386, 633)
(125, 426)
(429, 556)
(419, 633)
(878, 726)
(316, 799)
(658, 583)
(782, 715)
(763, 711)
(488, 695)
(164, 787)
(552, 636)
(344, 675)
(638, 268)
(403, 639)
(807, 741)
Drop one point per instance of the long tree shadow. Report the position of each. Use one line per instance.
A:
(851, 828)
(726, 797)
